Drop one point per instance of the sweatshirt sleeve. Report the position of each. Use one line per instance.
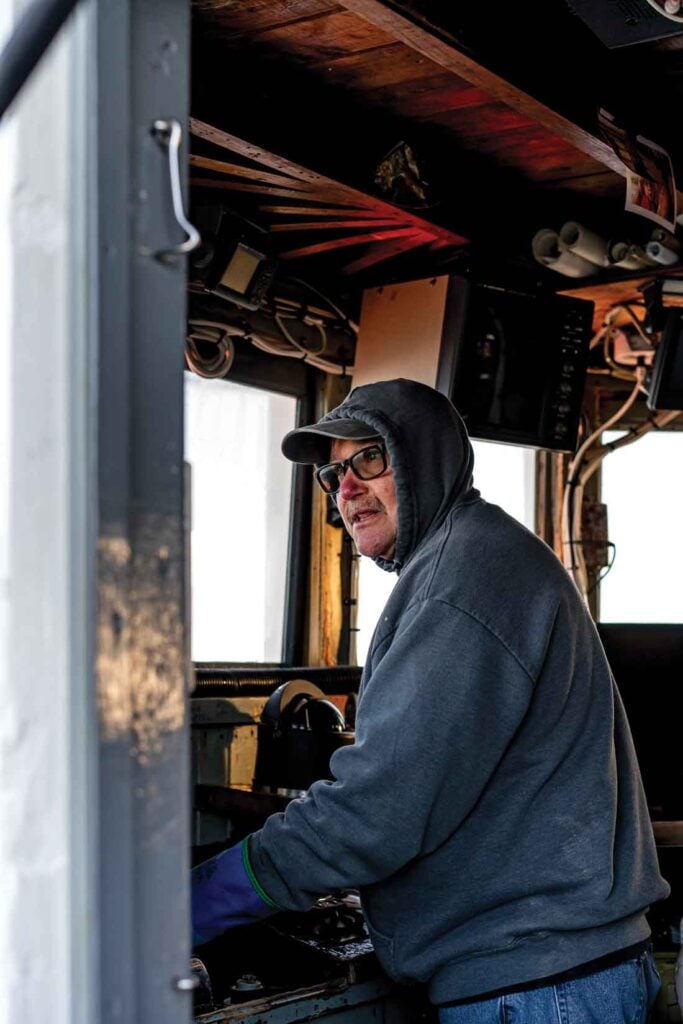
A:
(434, 720)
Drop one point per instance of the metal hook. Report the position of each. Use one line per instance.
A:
(169, 135)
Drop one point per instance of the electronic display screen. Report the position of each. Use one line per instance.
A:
(666, 388)
(505, 364)
(515, 363)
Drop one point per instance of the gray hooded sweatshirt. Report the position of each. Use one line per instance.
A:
(491, 810)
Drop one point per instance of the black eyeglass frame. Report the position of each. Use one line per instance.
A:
(345, 464)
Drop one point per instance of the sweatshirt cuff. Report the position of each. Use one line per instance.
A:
(246, 861)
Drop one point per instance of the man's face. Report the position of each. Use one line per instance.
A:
(368, 507)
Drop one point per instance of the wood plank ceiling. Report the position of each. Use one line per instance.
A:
(503, 148)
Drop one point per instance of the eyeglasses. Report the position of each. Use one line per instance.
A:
(366, 464)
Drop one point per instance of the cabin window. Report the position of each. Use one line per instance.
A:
(241, 490)
(643, 490)
(505, 476)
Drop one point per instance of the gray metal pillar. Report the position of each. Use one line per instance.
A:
(142, 62)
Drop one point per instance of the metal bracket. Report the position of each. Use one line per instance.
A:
(169, 134)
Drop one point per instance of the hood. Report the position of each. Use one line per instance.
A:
(431, 455)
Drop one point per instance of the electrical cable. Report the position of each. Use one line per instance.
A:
(214, 331)
(33, 33)
(304, 309)
(286, 350)
(616, 371)
(654, 423)
(636, 323)
(571, 550)
(576, 524)
(297, 344)
(594, 459)
(215, 361)
(598, 336)
(607, 569)
(604, 335)
(606, 324)
(340, 312)
(306, 355)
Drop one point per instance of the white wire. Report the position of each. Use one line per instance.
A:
(205, 329)
(602, 451)
(314, 358)
(598, 455)
(606, 324)
(352, 324)
(282, 349)
(576, 527)
(274, 349)
(636, 323)
(213, 330)
(596, 459)
(279, 320)
(570, 521)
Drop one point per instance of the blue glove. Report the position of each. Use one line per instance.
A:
(225, 894)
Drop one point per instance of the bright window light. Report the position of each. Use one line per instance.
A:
(241, 487)
(504, 474)
(642, 486)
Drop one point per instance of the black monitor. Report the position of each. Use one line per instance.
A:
(666, 388)
(514, 363)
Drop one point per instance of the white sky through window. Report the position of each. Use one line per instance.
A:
(241, 488)
(642, 486)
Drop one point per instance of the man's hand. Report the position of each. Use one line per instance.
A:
(226, 894)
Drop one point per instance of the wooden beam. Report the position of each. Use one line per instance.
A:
(250, 173)
(269, 190)
(325, 188)
(446, 54)
(384, 251)
(334, 225)
(256, 153)
(333, 244)
(328, 211)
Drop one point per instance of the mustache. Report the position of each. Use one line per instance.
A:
(355, 508)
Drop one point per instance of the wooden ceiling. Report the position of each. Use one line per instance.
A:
(498, 105)
(293, 201)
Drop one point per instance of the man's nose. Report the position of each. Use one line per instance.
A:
(351, 486)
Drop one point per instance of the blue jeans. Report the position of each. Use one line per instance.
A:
(618, 995)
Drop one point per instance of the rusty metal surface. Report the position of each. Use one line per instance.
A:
(225, 800)
(214, 680)
(310, 1003)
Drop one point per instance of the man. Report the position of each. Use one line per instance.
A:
(490, 811)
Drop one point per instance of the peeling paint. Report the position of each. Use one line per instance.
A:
(141, 660)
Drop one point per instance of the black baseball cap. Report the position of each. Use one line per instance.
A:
(311, 445)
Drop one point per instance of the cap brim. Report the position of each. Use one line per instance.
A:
(311, 445)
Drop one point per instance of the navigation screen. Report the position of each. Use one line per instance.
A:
(519, 364)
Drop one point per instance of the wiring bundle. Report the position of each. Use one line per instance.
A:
(591, 453)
